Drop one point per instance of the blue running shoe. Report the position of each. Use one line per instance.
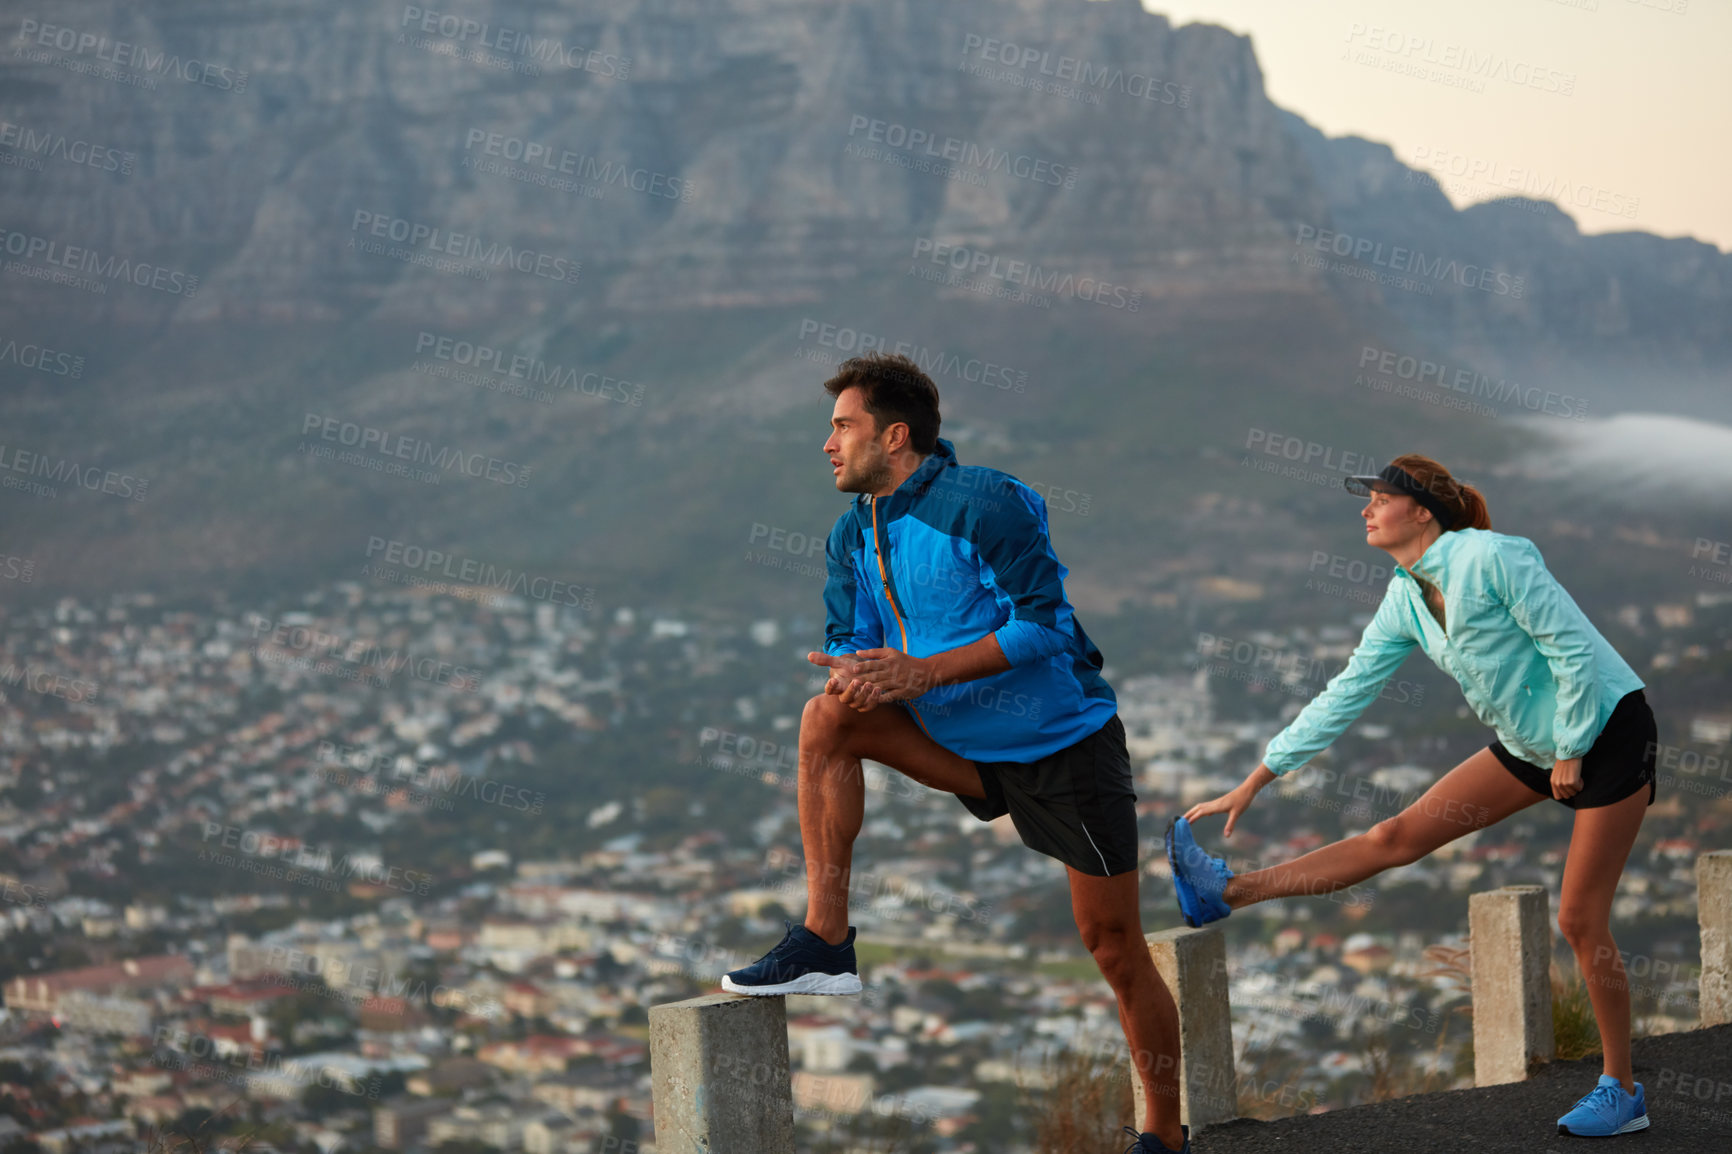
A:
(1606, 1111)
(801, 963)
(1147, 1143)
(1198, 877)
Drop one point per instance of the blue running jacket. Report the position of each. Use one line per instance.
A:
(957, 552)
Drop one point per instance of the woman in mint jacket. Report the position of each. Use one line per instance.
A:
(1570, 719)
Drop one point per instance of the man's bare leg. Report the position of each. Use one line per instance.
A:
(1477, 793)
(1111, 925)
(832, 791)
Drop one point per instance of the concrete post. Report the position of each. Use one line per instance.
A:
(1193, 964)
(1511, 933)
(719, 1075)
(1714, 915)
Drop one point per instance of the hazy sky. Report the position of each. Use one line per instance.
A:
(1623, 106)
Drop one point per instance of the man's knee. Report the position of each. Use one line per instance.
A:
(825, 719)
(1113, 947)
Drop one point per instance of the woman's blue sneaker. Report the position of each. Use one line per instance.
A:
(1147, 1143)
(1199, 877)
(801, 963)
(1606, 1110)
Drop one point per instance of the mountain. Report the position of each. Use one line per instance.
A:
(585, 266)
(1594, 313)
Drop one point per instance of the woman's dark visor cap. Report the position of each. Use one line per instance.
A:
(1395, 479)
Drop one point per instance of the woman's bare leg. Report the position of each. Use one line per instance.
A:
(1477, 793)
(1599, 846)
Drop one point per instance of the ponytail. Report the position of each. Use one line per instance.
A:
(1466, 504)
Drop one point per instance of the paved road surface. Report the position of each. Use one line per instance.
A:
(1687, 1076)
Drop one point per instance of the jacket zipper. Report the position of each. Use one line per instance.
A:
(890, 596)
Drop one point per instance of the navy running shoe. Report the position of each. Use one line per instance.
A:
(1606, 1110)
(801, 963)
(1198, 877)
(1147, 1143)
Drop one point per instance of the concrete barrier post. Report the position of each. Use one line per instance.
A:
(1714, 915)
(1511, 933)
(1193, 964)
(719, 1075)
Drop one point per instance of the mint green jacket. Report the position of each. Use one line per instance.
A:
(1531, 664)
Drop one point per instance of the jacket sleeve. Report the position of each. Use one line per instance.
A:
(1514, 574)
(1381, 650)
(851, 623)
(1018, 563)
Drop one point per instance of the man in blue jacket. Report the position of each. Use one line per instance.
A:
(955, 659)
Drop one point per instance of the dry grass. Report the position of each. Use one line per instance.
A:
(1455, 965)
(1085, 1110)
(1575, 1031)
(196, 1141)
(1267, 1081)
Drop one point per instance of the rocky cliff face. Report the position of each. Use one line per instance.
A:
(267, 207)
(750, 153)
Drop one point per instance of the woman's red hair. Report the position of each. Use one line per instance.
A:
(1465, 503)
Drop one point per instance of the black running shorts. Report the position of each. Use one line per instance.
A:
(1620, 762)
(1075, 805)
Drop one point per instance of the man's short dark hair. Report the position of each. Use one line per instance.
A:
(892, 388)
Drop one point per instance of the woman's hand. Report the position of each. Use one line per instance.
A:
(1567, 778)
(1234, 803)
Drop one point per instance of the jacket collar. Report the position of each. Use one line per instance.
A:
(913, 485)
(1436, 557)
